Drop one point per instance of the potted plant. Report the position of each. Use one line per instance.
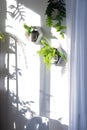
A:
(51, 55)
(33, 33)
(56, 11)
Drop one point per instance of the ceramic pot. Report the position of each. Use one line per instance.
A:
(34, 36)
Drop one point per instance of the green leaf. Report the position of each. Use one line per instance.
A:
(49, 21)
(2, 36)
(28, 29)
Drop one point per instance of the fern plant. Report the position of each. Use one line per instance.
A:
(49, 53)
(29, 29)
(57, 6)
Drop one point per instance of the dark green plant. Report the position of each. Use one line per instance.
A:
(48, 53)
(29, 29)
(59, 7)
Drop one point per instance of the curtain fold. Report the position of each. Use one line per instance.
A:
(77, 38)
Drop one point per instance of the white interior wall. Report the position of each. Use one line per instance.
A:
(54, 78)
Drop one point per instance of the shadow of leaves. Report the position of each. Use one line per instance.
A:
(24, 106)
(17, 12)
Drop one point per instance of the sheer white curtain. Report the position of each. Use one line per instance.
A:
(77, 38)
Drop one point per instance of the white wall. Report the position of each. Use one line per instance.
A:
(53, 81)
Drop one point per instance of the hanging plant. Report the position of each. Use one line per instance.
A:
(34, 34)
(31, 32)
(51, 55)
(56, 11)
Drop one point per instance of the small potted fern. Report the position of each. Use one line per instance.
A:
(51, 55)
(33, 34)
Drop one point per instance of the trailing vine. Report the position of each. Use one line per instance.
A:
(56, 12)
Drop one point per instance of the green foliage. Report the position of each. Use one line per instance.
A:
(48, 53)
(60, 28)
(49, 21)
(59, 6)
(2, 38)
(29, 29)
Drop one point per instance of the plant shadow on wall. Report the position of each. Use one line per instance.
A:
(9, 114)
(18, 109)
(9, 43)
(17, 11)
(24, 106)
(4, 73)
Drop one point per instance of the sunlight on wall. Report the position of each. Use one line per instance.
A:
(59, 84)
(28, 62)
(27, 16)
(58, 40)
(29, 82)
